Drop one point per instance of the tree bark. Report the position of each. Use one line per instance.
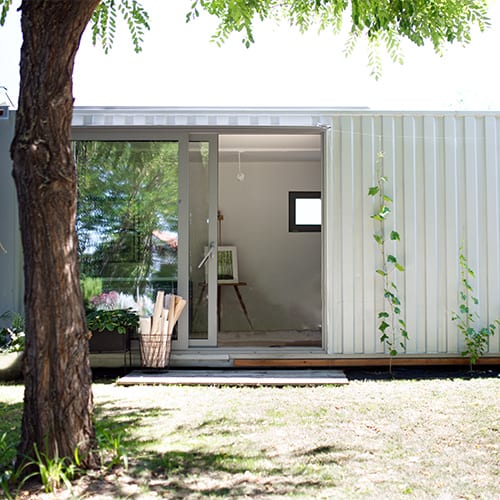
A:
(58, 404)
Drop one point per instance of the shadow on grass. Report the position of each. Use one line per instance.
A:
(193, 471)
(198, 471)
(196, 474)
(422, 373)
(10, 432)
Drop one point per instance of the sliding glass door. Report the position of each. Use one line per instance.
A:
(127, 220)
(202, 188)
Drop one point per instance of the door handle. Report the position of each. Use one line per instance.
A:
(211, 250)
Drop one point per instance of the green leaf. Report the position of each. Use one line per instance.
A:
(373, 190)
(378, 238)
(381, 272)
(395, 236)
(5, 4)
(384, 211)
(383, 314)
(392, 258)
(399, 267)
(383, 326)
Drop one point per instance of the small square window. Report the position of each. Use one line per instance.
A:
(304, 211)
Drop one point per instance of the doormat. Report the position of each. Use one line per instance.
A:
(228, 377)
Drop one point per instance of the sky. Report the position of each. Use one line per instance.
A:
(180, 66)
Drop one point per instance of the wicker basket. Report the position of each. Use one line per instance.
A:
(155, 333)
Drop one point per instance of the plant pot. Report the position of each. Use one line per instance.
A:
(109, 341)
(11, 365)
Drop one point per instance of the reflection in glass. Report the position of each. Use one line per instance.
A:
(127, 219)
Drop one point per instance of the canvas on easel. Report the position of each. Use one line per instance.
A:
(227, 265)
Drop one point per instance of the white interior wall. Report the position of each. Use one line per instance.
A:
(282, 269)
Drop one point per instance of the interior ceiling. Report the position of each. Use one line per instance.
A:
(270, 147)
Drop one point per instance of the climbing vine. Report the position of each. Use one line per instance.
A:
(392, 327)
(476, 340)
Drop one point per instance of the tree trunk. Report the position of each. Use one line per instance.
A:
(58, 404)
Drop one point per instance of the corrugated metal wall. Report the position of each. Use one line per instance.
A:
(11, 290)
(444, 179)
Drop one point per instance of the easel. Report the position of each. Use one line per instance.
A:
(220, 218)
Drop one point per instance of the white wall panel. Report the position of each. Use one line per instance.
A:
(444, 179)
(11, 290)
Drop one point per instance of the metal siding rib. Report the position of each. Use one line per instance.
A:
(368, 315)
(493, 224)
(358, 236)
(391, 187)
(483, 216)
(411, 234)
(420, 242)
(430, 233)
(399, 209)
(441, 277)
(329, 263)
(451, 229)
(347, 298)
(335, 276)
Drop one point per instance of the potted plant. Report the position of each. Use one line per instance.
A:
(112, 321)
(12, 342)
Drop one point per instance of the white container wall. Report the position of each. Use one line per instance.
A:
(11, 290)
(443, 175)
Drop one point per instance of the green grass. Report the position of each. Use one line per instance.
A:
(410, 439)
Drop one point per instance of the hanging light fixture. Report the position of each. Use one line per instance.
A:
(240, 176)
(5, 101)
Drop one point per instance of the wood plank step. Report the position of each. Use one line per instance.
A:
(235, 377)
(358, 362)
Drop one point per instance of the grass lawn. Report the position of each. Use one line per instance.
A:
(369, 439)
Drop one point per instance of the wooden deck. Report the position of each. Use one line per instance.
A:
(236, 377)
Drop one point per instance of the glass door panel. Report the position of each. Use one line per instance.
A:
(203, 239)
(127, 221)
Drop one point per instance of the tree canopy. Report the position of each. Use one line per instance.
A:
(384, 23)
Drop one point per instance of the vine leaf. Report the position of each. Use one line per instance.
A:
(476, 339)
(392, 327)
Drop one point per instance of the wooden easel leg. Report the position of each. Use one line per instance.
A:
(242, 304)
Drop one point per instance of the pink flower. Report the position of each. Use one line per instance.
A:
(106, 300)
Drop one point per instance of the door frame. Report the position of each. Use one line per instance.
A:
(183, 341)
(182, 136)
